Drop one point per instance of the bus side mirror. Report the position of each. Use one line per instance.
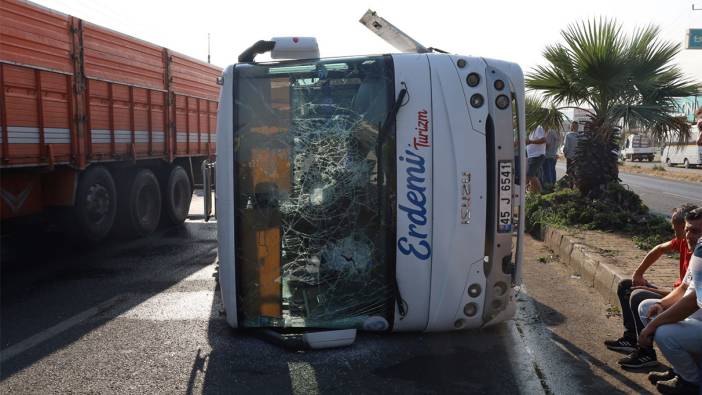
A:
(208, 169)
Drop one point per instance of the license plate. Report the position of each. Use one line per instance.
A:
(504, 215)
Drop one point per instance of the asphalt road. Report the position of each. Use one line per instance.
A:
(145, 317)
(660, 195)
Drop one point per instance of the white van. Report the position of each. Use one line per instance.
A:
(687, 153)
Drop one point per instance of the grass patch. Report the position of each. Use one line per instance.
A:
(613, 311)
(658, 168)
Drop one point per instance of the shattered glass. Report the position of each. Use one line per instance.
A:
(315, 187)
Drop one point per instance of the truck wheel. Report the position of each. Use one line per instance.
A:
(686, 163)
(668, 162)
(177, 193)
(140, 204)
(96, 203)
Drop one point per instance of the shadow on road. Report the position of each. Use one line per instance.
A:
(49, 286)
(490, 360)
(554, 352)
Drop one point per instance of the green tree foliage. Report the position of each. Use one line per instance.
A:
(616, 209)
(621, 81)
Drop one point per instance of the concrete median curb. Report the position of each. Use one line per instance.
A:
(595, 269)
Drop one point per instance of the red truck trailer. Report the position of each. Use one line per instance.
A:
(108, 129)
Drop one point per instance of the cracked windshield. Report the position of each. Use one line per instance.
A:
(314, 192)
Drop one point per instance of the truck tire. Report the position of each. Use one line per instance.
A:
(139, 204)
(686, 164)
(177, 193)
(95, 205)
(668, 162)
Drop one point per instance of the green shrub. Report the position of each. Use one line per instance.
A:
(615, 209)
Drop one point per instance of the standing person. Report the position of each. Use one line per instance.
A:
(536, 152)
(548, 169)
(632, 292)
(570, 142)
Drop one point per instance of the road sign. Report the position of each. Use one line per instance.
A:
(694, 39)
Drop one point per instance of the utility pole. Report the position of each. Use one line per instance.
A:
(208, 47)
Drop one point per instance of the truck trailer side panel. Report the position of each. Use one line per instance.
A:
(74, 94)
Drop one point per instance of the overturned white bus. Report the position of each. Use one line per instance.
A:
(372, 192)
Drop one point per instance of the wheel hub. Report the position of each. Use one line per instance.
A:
(97, 202)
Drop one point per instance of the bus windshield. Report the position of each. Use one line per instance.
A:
(315, 193)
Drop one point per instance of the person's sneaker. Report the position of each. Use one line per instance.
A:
(677, 386)
(655, 376)
(624, 344)
(640, 358)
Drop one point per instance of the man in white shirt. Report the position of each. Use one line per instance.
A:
(677, 326)
(536, 153)
(570, 144)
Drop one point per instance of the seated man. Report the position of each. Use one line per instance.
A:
(632, 292)
(677, 326)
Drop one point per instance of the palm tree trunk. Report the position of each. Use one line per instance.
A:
(596, 158)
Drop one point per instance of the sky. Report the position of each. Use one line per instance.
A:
(512, 30)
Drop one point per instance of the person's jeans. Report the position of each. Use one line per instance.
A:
(681, 343)
(630, 302)
(548, 171)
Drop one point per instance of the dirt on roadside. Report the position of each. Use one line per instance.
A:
(624, 256)
(579, 319)
(660, 172)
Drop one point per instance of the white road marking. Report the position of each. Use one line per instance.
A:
(303, 378)
(682, 196)
(47, 334)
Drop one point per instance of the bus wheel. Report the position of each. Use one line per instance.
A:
(96, 203)
(177, 193)
(140, 203)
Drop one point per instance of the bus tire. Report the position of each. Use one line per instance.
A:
(177, 193)
(140, 203)
(95, 205)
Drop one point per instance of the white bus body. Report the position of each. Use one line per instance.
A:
(444, 255)
(688, 154)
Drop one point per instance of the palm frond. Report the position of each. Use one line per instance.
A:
(539, 112)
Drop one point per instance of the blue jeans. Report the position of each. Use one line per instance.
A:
(680, 342)
(548, 171)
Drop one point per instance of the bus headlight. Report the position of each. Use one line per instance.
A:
(474, 290)
(476, 100)
(502, 102)
(470, 309)
(473, 79)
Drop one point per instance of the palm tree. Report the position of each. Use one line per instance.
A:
(539, 112)
(620, 81)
